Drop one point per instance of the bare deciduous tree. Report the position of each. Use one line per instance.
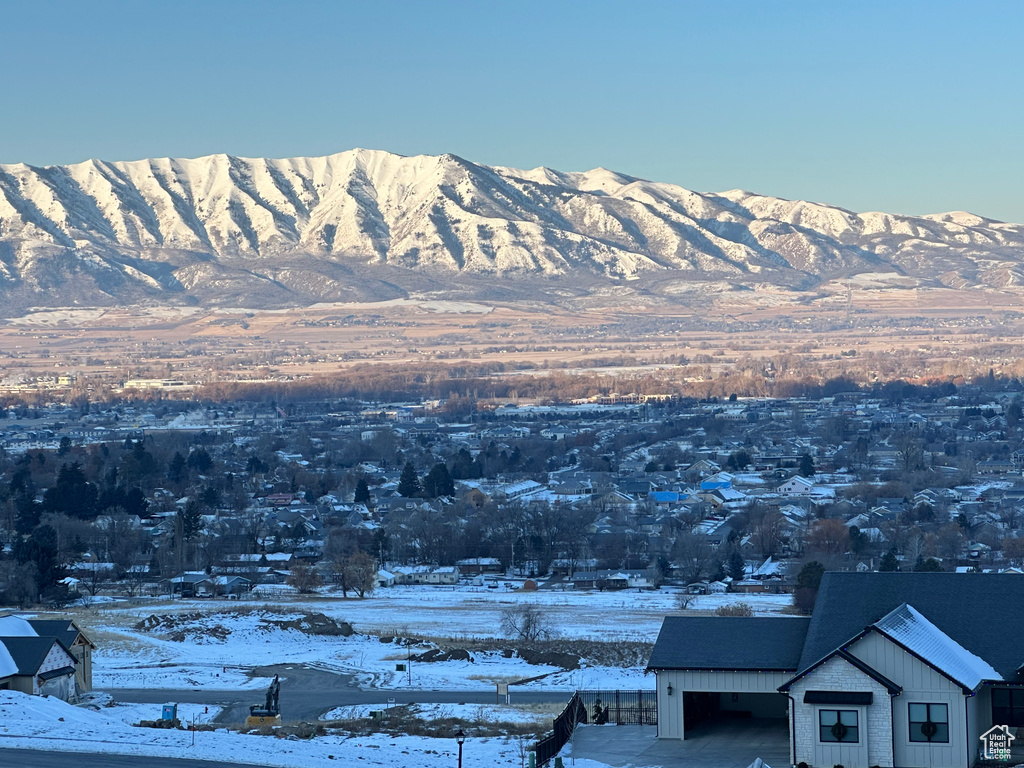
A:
(361, 573)
(526, 622)
(304, 579)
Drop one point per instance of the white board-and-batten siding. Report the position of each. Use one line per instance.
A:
(921, 685)
(670, 707)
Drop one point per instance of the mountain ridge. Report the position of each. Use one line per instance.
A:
(223, 229)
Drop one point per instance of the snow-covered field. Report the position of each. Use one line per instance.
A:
(215, 644)
(34, 722)
(471, 712)
(244, 633)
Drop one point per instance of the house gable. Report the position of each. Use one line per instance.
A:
(841, 675)
(922, 684)
(982, 613)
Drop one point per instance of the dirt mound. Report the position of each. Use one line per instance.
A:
(315, 624)
(547, 656)
(182, 626)
(167, 621)
(567, 654)
(216, 632)
(195, 625)
(436, 654)
(164, 724)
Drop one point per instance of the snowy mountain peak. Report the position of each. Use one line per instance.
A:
(222, 227)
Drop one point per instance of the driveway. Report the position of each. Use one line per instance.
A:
(307, 693)
(722, 744)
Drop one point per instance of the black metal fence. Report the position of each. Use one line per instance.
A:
(598, 708)
(620, 707)
(565, 724)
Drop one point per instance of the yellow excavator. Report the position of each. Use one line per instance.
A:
(270, 712)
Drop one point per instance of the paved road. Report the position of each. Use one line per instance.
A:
(30, 758)
(307, 693)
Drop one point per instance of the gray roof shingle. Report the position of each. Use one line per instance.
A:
(28, 652)
(982, 612)
(726, 642)
(62, 629)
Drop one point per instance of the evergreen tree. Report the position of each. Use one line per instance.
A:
(210, 496)
(807, 583)
(138, 463)
(462, 467)
(409, 483)
(737, 568)
(27, 513)
(177, 469)
(362, 492)
(806, 465)
(191, 519)
(72, 495)
(889, 562)
(810, 575)
(438, 482)
(135, 502)
(256, 466)
(41, 550)
(200, 461)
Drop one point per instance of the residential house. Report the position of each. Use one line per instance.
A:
(70, 636)
(797, 486)
(892, 669)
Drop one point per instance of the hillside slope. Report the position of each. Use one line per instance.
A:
(231, 230)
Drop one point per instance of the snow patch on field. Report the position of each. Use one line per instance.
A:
(233, 639)
(46, 723)
(470, 712)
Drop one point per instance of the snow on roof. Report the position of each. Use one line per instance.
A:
(907, 626)
(15, 626)
(7, 664)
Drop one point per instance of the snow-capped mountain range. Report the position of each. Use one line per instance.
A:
(226, 229)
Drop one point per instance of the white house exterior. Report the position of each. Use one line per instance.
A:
(797, 486)
(892, 670)
(425, 574)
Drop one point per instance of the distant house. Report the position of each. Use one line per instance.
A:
(425, 574)
(474, 566)
(717, 481)
(611, 579)
(797, 486)
(189, 584)
(230, 585)
(703, 467)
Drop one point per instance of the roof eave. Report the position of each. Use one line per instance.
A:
(717, 669)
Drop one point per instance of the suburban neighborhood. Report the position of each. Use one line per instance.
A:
(807, 560)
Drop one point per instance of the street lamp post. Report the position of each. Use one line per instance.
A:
(460, 737)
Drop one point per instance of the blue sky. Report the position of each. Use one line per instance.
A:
(902, 106)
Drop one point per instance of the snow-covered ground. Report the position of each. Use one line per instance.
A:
(216, 644)
(246, 633)
(470, 712)
(46, 723)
